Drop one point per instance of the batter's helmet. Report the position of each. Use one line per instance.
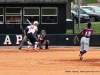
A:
(35, 22)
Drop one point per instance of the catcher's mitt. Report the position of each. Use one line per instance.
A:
(76, 40)
(44, 37)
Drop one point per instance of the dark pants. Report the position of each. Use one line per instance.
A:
(32, 38)
(23, 41)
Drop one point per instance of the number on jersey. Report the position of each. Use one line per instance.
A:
(31, 27)
(88, 33)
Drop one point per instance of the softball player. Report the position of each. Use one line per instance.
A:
(85, 40)
(25, 36)
(31, 31)
(42, 40)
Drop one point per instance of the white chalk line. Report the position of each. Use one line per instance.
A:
(92, 62)
(48, 52)
(37, 64)
(60, 66)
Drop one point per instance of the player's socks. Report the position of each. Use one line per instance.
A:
(46, 47)
(29, 46)
(35, 44)
(80, 52)
(83, 52)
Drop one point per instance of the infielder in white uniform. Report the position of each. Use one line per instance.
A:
(85, 40)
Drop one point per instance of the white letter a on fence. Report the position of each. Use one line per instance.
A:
(7, 40)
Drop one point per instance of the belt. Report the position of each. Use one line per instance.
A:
(85, 37)
(30, 33)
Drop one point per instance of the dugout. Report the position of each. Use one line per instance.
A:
(51, 15)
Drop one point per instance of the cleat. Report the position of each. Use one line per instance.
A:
(47, 48)
(40, 47)
(28, 49)
(36, 49)
(19, 48)
(81, 58)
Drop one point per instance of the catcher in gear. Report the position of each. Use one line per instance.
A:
(42, 40)
(85, 39)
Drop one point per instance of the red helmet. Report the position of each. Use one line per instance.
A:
(43, 31)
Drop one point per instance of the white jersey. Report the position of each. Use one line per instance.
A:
(32, 29)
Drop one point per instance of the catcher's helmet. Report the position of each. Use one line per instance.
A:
(43, 31)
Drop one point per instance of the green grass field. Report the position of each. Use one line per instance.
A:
(95, 27)
(73, 1)
(91, 1)
(88, 1)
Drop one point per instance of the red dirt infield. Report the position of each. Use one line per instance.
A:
(58, 60)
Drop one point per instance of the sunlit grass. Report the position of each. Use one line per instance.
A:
(95, 27)
(88, 1)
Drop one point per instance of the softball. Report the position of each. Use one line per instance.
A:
(67, 38)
